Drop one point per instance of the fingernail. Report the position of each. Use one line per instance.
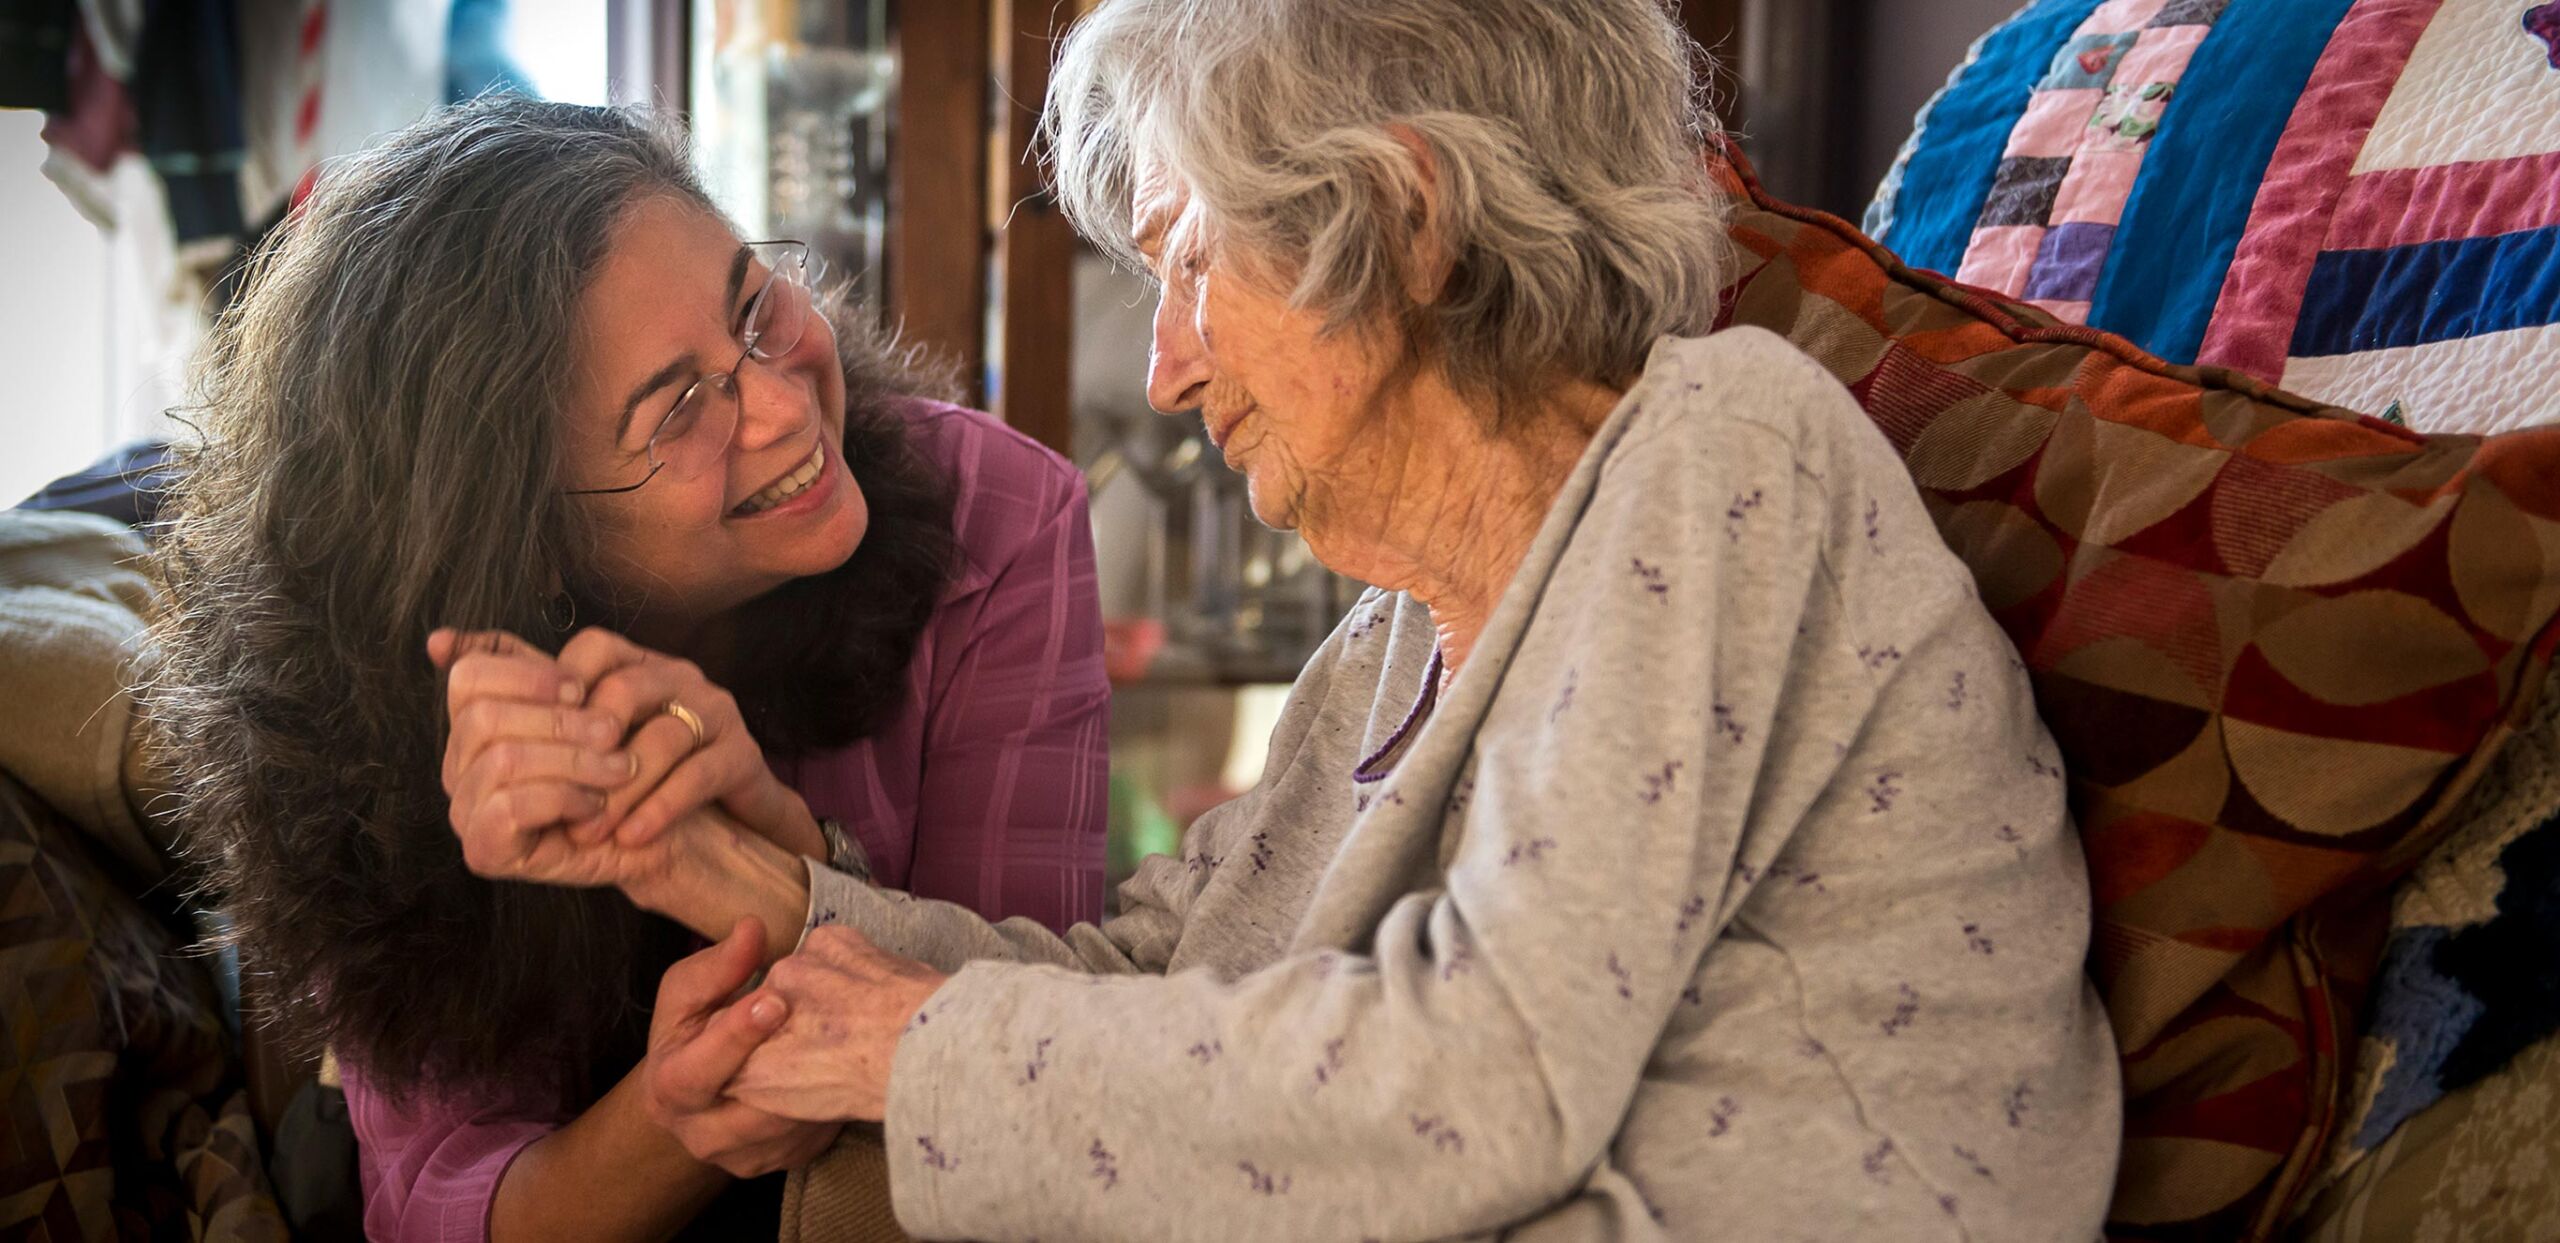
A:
(571, 693)
(603, 734)
(631, 763)
(767, 1011)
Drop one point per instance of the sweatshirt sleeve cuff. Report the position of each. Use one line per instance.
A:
(894, 921)
(935, 1166)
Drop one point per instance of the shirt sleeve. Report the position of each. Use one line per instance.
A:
(1155, 902)
(1012, 810)
(1464, 1062)
(431, 1166)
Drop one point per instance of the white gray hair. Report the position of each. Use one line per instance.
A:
(1567, 141)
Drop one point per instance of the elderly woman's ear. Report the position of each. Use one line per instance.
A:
(1427, 260)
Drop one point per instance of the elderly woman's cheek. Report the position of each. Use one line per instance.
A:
(1225, 396)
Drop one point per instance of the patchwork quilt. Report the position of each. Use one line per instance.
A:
(2356, 199)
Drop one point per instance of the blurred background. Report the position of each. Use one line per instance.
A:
(145, 144)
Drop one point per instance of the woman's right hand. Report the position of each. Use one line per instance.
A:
(528, 769)
(526, 759)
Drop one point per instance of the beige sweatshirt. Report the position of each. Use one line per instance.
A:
(1725, 893)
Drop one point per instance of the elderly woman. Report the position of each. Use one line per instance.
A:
(512, 371)
(1669, 848)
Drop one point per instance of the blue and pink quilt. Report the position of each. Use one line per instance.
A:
(2356, 199)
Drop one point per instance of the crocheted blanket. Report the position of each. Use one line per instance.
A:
(2471, 974)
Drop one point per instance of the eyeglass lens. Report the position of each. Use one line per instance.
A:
(695, 432)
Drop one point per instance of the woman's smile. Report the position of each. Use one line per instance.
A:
(805, 487)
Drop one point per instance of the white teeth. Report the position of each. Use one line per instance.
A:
(788, 486)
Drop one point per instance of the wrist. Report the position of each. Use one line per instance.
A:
(777, 813)
(914, 989)
(673, 883)
(542, 1194)
(804, 837)
(719, 872)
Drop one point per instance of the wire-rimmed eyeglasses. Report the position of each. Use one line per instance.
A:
(695, 431)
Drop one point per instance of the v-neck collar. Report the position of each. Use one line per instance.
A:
(1378, 765)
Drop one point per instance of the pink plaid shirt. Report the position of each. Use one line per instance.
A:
(987, 788)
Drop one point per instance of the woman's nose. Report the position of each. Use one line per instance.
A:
(1177, 360)
(775, 402)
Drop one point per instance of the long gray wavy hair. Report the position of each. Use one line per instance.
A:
(380, 455)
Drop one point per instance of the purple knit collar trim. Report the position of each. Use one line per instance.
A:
(1374, 768)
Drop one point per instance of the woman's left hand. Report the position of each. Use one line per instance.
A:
(678, 772)
(696, 1045)
(849, 1001)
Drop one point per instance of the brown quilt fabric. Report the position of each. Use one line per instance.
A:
(843, 1196)
(2276, 643)
(124, 1116)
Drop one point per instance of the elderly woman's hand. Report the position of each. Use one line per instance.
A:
(697, 1044)
(848, 1003)
(681, 769)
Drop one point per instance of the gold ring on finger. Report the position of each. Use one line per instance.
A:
(691, 722)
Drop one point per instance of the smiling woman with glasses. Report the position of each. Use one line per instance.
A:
(542, 527)
(694, 429)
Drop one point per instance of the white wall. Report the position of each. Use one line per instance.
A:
(54, 415)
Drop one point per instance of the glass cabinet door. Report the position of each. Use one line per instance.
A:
(789, 104)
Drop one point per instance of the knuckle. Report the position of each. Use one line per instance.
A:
(504, 761)
(613, 690)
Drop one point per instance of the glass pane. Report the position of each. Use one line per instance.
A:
(789, 112)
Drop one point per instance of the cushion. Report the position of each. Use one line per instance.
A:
(125, 1116)
(2466, 980)
(72, 602)
(2358, 199)
(2277, 643)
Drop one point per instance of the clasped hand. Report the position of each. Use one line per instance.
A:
(763, 1081)
(569, 770)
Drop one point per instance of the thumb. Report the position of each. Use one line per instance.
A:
(704, 979)
(441, 643)
(692, 1075)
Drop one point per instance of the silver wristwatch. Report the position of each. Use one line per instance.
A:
(843, 853)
